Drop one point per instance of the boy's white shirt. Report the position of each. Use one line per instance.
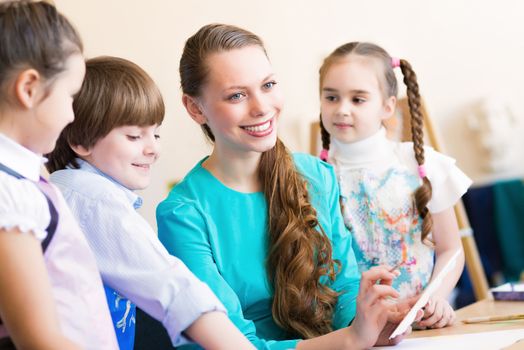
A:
(130, 257)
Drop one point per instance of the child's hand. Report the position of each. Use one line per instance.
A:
(437, 314)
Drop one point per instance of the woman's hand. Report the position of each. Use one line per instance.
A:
(377, 316)
(374, 306)
(383, 337)
(396, 315)
(437, 314)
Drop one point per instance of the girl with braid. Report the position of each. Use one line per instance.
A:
(262, 227)
(397, 197)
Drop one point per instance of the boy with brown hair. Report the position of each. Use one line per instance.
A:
(100, 159)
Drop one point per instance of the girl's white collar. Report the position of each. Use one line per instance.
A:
(369, 150)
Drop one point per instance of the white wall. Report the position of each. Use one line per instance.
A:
(461, 51)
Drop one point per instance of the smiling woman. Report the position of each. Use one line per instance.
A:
(239, 97)
(243, 112)
(262, 227)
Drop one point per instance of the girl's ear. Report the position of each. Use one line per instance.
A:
(194, 109)
(27, 86)
(81, 150)
(390, 105)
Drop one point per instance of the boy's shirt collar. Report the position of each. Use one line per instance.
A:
(20, 159)
(134, 199)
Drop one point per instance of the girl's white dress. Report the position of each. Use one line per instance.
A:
(378, 178)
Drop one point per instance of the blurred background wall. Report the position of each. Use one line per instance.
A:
(463, 51)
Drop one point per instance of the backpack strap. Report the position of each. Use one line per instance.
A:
(51, 228)
(7, 344)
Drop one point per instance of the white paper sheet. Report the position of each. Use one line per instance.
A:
(424, 297)
(509, 287)
(477, 341)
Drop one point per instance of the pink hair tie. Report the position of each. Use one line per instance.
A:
(395, 62)
(422, 171)
(324, 155)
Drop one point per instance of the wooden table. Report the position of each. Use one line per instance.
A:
(481, 308)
